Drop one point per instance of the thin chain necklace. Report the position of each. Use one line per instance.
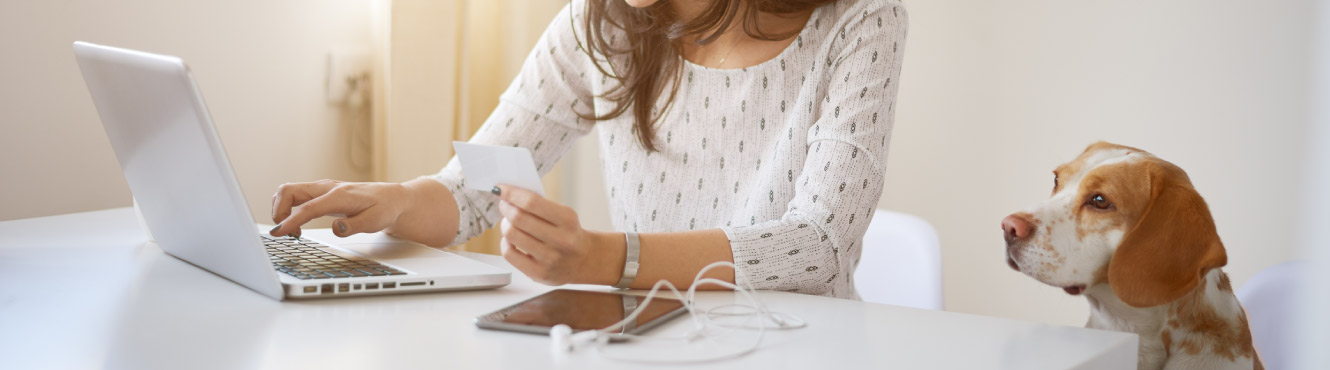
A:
(727, 54)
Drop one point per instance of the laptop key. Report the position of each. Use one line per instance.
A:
(372, 271)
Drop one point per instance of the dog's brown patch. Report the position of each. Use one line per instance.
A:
(1227, 339)
(1066, 170)
(1190, 346)
(1172, 245)
(1125, 185)
(1245, 342)
(1224, 285)
(1168, 341)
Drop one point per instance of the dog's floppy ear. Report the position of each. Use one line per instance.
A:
(1172, 245)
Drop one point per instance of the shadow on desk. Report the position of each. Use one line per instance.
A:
(171, 314)
(170, 302)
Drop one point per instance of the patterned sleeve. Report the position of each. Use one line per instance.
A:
(815, 246)
(537, 111)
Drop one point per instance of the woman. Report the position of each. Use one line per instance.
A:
(751, 131)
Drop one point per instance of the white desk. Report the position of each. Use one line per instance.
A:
(85, 291)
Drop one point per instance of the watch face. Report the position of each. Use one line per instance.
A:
(582, 310)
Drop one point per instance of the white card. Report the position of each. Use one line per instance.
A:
(487, 165)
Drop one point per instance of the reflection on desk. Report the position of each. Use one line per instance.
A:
(86, 291)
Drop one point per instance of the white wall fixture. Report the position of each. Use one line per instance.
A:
(348, 77)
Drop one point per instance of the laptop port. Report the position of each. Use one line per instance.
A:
(413, 283)
(327, 289)
(371, 286)
(343, 287)
(311, 289)
(357, 287)
(389, 285)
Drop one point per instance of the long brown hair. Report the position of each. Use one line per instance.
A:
(650, 57)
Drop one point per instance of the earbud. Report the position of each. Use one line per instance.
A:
(561, 338)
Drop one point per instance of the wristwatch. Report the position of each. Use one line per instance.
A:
(630, 261)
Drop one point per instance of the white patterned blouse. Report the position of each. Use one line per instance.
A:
(786, 157)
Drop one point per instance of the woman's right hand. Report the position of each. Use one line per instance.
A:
(363, 207)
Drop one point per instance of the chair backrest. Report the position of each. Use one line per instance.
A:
(1269, 300)
(901, 262)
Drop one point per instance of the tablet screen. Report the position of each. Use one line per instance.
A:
(581, 310)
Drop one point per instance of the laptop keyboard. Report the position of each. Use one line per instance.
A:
(305, 259)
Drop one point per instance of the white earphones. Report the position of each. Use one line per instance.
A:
(705, 321)
(565, 341)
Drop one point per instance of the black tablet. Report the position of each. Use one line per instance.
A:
(582, 310)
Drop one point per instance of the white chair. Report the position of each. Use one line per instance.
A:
(1268, 298)
(901, 262)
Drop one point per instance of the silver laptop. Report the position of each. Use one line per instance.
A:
(179, 174)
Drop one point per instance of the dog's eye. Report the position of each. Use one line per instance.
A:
(1099, 202)
(1055, 181)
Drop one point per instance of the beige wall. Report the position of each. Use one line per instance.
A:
(441, 68)
(994, 96)
(260, 65)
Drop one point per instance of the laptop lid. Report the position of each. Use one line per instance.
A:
(176, 167)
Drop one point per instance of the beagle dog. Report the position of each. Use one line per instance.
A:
(1127, 230)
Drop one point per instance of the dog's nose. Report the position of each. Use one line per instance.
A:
(1016, 227)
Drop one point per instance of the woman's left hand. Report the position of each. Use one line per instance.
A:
(544, 239)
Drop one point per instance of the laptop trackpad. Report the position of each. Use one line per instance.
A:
(326, 236)
(401, 253)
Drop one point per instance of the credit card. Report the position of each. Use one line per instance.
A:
(488, 165)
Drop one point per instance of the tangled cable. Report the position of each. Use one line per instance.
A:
(704, 323)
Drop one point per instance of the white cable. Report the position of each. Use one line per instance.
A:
(358, 126)
(703, 322)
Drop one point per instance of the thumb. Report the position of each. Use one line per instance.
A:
(369, 221)
(342, 228)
